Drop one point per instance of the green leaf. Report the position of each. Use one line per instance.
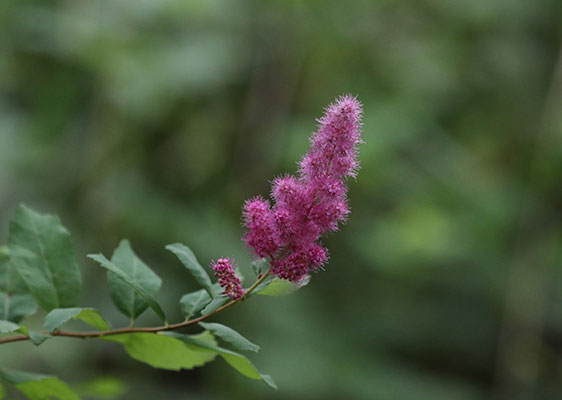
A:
(10, 281)
(38, 387)
(259, 266)
(161, 351)
(14, 307)
(265, 283)
(230, 335)
(15, 300)
(236, 360)
(61, 316)
(188, 259)
(281, 287)
(192, 303)
(215, 304)
(139, 285)
(8, 326)
(42, 252)
(105, 388)
(124, 295)
(2, 394)
(37, 338)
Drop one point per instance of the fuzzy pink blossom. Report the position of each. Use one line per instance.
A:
(228, 280)
(298, 264)
(262, 229)
(310, 204)
(333, 149)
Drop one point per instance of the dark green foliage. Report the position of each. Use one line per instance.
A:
(123, 294)
(8, 327)
(236, 360)
(41, 251)
(231, 336)
(162, 351)
(139, 286)
(279, 287)
(192, 303)
(259, 266)
(188, 259)
(15, 300)
(38, 387)
(217, 302)
(60, 316)
(37, 338)
(43, 254)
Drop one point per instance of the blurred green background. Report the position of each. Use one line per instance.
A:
(155, 120)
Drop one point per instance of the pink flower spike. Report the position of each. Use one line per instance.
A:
(314, 203)
(228, 280)
(333, 146)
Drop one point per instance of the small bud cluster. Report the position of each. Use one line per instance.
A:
(312, 204)
(224, 271)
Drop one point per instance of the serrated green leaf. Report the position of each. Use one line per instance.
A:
(124, 295)
(8, 326)
(161, 351)
(215, 304)
(42, 252)
(132, 281)
(236, 360)
(281, 287)
(38, 387)
(192, 303)
(60, 316)
(230, 335)
(188, 259)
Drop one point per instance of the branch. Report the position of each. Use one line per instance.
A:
(155, 329)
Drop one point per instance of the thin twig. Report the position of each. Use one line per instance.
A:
(155, 329)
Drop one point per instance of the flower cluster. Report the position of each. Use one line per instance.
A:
(231, 284)
(310, 204)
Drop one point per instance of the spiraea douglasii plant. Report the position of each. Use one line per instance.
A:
(38, 269)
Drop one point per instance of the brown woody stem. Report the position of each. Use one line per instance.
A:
(155, 329)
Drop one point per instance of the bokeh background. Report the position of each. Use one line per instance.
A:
(155, 120)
